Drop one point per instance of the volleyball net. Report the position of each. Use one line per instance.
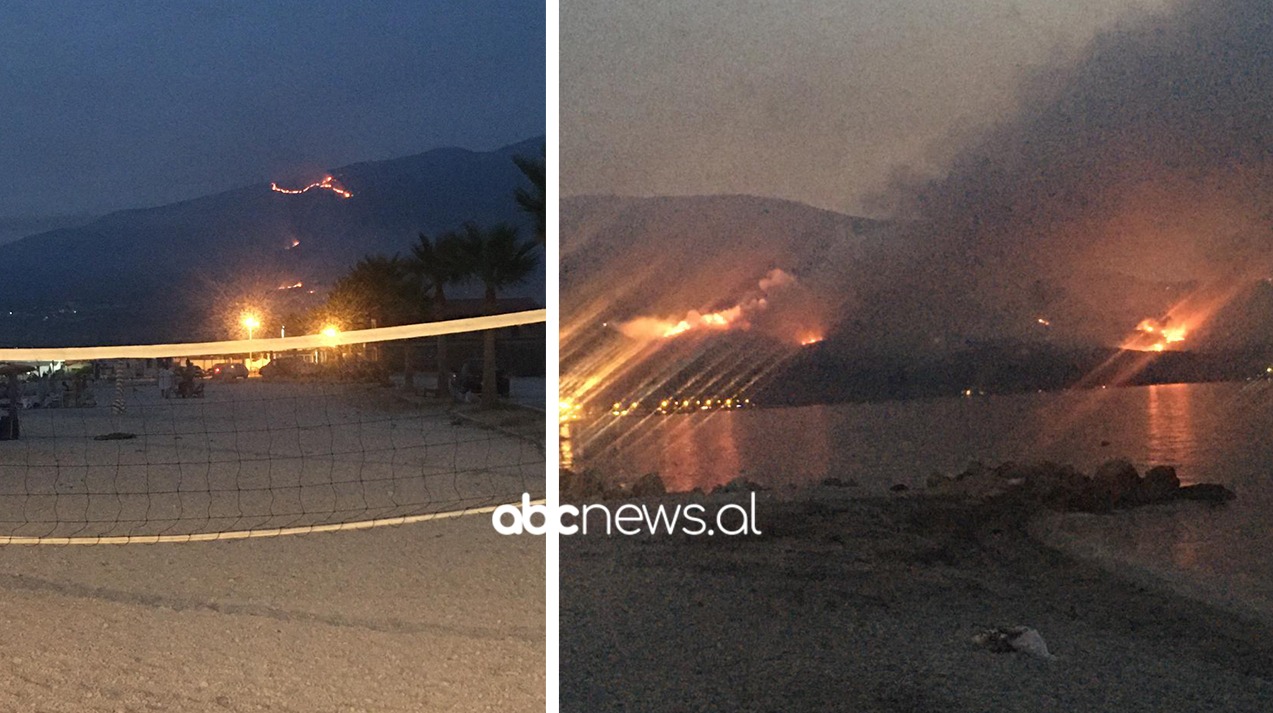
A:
(247, 438)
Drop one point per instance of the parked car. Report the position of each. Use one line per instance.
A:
(289, 367)
(230, 371)
(469, 379)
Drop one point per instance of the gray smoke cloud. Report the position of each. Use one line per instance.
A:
(1148, 162)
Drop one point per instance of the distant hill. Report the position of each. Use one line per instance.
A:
(669, 254)
(163, 273)
(16, 227)
(888, 331)
(626, 256)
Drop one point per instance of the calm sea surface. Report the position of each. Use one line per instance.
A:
(1211, 432)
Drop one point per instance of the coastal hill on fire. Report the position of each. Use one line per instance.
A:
(162, 273)
(652, 261)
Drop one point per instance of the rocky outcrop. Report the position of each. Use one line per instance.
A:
(1115, 484)
(739, 485)
(1208, 492)
(582, 486)
(1112, 483)
(1160, 483)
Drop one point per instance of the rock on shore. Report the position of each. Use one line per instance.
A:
(1115, 484)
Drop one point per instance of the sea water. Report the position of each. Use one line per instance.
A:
(1220, 433)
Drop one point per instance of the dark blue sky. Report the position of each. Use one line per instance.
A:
(117, 105)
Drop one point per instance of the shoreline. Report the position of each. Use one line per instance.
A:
(870, 603)
(1050, 530)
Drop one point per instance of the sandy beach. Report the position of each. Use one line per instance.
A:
(438, 616)
(254, 455)
(443, 615)
(870, 604)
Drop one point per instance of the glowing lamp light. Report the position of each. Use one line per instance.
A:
(251, 321)
(569, 410)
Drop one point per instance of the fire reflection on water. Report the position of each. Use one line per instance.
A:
(773, 447)
(1169, 422)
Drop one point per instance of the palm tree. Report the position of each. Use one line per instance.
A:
(499, 259)
(436, 264)
(533, 201)
(376, 290)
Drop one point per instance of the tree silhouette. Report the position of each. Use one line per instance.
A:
(437, 264)
(499, 259)
(533, 201)
(377, 291)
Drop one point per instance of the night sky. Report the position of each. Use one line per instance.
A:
(117, 105)
(818, 101)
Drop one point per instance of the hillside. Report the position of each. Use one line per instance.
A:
(638, 271)
(670, 254)
(163, 273)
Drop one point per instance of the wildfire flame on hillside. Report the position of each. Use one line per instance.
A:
(738, 316)
(329, 183)
(1155, 335)
(647, 358)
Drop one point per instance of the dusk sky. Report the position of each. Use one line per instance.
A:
(814, 101)
(118, 105)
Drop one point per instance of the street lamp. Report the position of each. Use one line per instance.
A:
(251, 322)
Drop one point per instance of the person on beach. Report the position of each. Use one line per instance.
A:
(166, 378)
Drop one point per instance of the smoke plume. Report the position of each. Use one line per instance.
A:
(1145, 164)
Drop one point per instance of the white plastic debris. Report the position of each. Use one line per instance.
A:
(1014, 638)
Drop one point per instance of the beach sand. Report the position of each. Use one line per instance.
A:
(435, 616)
(869, 604)
(254, 455)
(444, 615)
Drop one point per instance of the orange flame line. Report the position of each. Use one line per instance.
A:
(328, 183)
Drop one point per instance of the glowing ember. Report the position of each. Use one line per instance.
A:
(329, 183)
(289, 287)
(295, 243)
(1043, 322)
(807, 339)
